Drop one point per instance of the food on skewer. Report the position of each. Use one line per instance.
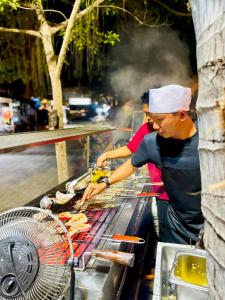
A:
(76, 218)
(95, 203)
(47, 202)
(80, 218)
(99, 206)
(76, 223)
(65, 216)
(76, 185)
(62, 198)
(82, 184)
(78, 228)
(98, 174)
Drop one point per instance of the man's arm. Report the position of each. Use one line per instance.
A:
(138, 159)
(127, 150)
(124, 171)
(117, 153)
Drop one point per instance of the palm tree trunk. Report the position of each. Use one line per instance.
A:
(209, 22)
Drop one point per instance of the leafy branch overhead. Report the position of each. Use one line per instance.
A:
(94, 27)
(85, 28)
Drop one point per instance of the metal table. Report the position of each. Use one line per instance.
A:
(22, 141)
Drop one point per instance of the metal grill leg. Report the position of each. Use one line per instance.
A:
(155, 216)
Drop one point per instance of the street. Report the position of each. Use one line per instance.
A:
(27, 174)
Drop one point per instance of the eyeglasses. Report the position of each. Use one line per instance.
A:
(147, 114)
(159, 119)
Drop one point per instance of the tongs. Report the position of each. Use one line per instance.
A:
(140, 195)
(118, 238)
(148, 194)
(159, 183)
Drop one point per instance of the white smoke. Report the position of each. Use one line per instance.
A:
(149, 57)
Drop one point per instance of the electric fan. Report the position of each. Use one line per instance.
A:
(36, 256)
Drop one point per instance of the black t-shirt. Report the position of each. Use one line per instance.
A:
(180, 166)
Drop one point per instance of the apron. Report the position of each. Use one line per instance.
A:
(184, 216)
(181, 176)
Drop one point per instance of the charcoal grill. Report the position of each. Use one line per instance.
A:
(103, 280)
(100, 220)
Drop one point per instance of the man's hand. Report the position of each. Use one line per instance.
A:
(92, 190)
(102, 160)
(125, 170)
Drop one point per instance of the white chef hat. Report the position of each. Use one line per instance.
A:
(169, 99)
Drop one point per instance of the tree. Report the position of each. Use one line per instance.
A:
(87, 52)
(45, 31)
(209, 22)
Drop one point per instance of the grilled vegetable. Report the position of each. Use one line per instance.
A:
(99, 174)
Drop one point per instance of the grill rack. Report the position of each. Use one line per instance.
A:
(100, 221)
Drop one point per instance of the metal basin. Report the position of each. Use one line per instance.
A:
(163, 288)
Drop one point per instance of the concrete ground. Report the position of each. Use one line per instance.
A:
(27, 174)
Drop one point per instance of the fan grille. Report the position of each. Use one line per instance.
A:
(42, 248)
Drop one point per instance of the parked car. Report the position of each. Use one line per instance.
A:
(80, 108)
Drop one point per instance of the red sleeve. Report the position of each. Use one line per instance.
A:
(138, 137)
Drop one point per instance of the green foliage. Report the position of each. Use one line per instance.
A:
(111, 38)
(91, 37)
(10, 72)
(13, 4)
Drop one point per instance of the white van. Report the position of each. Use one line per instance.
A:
(80, 108)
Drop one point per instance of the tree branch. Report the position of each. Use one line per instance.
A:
(25, 31)
(131, 14)
(56, 11)
(181, 14)
(88, 9)
(24, 7)
(60, 26)
(66, 39)
(73, 17)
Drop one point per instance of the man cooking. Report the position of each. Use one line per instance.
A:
(174, 148)
(158, 207)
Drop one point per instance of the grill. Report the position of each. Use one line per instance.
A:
(102, 279)
(100, 220)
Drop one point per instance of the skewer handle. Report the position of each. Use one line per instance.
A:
(128, 239)
(115, 256)
(149, 194)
